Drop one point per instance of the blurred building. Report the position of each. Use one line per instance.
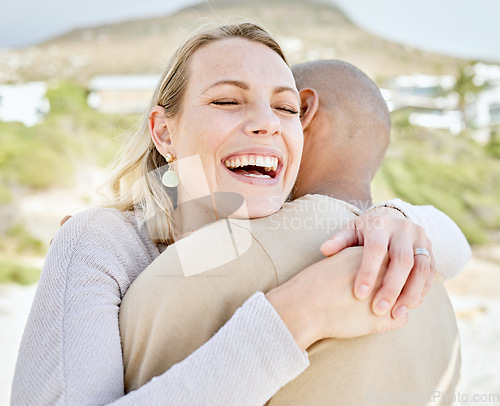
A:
(485, 108)
(485, 73)
(431, 98)
(422, 91)
(435, 103)
(119, 94)
(25, 103)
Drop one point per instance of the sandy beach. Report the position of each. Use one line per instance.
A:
(15, 303)
(475, 295)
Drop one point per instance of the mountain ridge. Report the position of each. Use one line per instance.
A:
(306, 29)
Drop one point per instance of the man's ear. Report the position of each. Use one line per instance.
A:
(158, 127)
(309, 103)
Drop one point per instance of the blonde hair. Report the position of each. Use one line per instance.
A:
(135, 183)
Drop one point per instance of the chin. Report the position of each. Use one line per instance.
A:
(262, 207)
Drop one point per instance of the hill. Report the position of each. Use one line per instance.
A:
(306, 29)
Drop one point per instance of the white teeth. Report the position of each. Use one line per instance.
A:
(253, 175)
(266, 162)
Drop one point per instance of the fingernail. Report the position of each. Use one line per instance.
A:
(362, 291)
(382, 307)
(330, 242)
(400, 312)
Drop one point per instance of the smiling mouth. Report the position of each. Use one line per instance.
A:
(256, 166)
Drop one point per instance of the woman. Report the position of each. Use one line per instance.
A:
(71, 352)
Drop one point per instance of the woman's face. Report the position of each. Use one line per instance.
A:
(240, 120)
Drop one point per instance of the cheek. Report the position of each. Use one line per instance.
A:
(294, 140)
(197, 137)
(204, 138)
(207, 127)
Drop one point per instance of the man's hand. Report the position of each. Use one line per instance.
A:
(64, 219)
(408, 278)
(318, 303)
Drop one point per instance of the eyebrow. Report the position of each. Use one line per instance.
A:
(237, 83)
(245, 86)
(281, 89)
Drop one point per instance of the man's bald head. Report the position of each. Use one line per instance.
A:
(348, 135)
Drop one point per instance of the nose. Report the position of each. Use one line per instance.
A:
(263, 121)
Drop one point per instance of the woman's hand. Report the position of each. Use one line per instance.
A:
(408, 278)
(319, 303)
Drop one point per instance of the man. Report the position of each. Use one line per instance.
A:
(346, 134)
(165, 316)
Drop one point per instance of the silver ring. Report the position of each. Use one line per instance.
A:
(421, 251)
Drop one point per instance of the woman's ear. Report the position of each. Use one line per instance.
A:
(309, 103)
(158, 128)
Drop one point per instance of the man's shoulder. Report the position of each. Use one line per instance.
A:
(315, 202)
(308, 213)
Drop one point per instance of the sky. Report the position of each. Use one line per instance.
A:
(463, 28)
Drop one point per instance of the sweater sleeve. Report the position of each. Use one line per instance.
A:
(71, 351)
(449, 245)
(245, 363)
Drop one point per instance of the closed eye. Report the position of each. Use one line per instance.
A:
(287, 109)
(225, 102)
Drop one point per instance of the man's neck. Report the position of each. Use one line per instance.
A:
(355, 192)
(361, 201)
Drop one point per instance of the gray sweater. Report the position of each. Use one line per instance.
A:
(70, 353)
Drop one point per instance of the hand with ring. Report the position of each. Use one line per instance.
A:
(411, 271)
(421, 251)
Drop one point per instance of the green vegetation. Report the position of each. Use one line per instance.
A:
(17, 245)
(47, 154)
(465, 86)
(13, 271)
(454, 174)
(18, 239)
(32, 157)
(493, 146)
